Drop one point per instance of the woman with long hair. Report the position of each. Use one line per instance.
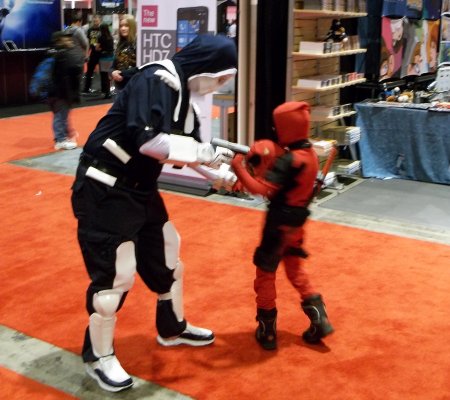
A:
(105, 45)
(125, 53)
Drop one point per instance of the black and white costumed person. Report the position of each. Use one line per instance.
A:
(123, 225)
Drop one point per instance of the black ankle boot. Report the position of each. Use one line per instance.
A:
(320, 327)
(266, 333)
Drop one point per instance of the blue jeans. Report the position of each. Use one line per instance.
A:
(60, 110)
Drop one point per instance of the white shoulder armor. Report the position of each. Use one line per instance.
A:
(169, 79)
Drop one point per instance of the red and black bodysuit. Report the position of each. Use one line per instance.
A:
(286, 175)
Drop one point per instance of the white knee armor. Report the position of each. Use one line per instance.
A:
(103, 321)
(106, 302)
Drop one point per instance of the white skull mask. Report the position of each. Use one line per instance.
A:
(206, 83)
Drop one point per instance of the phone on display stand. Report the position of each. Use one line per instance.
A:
(191, 21)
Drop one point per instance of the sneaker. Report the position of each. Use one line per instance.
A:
(65, 145)
(73, 136)
(87, 92)
(109, 374)
(192, 336)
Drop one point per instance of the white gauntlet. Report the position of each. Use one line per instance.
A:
(220, 178)
(186, 150)
(178, 150)
(221, 156)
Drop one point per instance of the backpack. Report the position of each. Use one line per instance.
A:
(42, 82)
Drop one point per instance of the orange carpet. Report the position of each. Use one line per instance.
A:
(387, 298)
(32, 135)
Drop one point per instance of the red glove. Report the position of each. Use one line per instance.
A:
(255, 185)
(262, 156)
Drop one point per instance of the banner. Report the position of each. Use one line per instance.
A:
(110, 6)
(414, 9)
(163, 29)
(394, 8)
(403, 8)
(431, 9)
(29, 24)
(444, 54)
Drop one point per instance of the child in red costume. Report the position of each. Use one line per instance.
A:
(286, 174)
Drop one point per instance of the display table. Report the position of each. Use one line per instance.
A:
(404, 143)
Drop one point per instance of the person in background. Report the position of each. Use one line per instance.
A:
(94, 55)
(285, 172)
(232, 30)
(152, 121)
(105, 46)
(66, 88)
(80, 41)
(125, 54)
(79, 38)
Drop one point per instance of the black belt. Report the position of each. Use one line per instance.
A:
(122, 180)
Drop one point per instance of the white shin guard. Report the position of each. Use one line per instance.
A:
(172, 254)
(102, 323)
(101, 330)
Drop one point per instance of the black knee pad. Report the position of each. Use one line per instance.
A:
(267, 261)
(166, 321)
(297, 251)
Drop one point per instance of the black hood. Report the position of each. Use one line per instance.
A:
(206, 54)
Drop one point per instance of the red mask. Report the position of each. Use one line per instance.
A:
(292, 122)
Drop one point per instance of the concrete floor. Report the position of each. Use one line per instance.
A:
(64, 370)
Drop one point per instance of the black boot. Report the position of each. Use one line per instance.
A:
(266, 333)
(320, 327)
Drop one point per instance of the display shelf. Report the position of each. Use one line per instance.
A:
(342, 135)
(327, 88)
(316, 14)
(311, 64)
(333, 118)
(307, 56)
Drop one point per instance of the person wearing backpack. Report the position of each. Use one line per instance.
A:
(79, 38)
(65, 90)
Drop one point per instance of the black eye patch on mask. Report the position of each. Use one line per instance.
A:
(254, 160)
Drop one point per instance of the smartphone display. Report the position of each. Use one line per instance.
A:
(190, 22)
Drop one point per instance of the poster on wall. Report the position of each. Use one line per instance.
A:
(408, 47)
(110, 6)
(444, 54)
(393, 42)
(163, 29)
(394, 8)
(412, 61)
(414, 9)
(431, 9)
(403, 8)
(445, 6)
(430, 45)
(28, 24)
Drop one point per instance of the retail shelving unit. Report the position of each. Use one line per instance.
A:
(316, 77)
